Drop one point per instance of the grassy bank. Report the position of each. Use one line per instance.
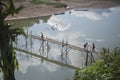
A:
(56, 4)
(107, 67)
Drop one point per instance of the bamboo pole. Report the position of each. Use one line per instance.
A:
(45, 58)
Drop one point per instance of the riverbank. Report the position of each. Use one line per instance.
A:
(36, 10)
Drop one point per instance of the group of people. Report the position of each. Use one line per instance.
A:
(86, 46)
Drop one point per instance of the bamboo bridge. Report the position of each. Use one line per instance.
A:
(61, 43)
(64, 50)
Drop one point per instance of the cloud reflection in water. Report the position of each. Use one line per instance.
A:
(92, 14)
(58, 23)
(97, 28)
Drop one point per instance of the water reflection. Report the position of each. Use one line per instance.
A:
(92, 14)
(100, 26)
(34, 69)
(40, 72)
(29, 22)
(58, 23)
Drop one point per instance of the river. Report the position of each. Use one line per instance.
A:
(76, 26)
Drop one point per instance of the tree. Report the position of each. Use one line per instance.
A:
(106, 68)
(8, 34)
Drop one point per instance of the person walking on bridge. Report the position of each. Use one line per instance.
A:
(85, 45)
(93, 47)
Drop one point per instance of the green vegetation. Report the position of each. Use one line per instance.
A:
(40, 1)
(8, 34)
(21, 23)
(56, 4)
(106, 68)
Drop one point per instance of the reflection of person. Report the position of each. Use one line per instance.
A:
(85, 45)
(93, 47)
(41, 35)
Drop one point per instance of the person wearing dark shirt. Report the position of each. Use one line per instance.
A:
(85, 45)
(93, 47)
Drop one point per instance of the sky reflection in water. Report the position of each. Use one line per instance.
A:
(95, 25)
(100, 26)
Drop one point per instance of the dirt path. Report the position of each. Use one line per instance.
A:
(33, 10)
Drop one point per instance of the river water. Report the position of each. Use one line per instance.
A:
(76, 26)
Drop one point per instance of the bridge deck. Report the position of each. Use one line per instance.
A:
(60, 43)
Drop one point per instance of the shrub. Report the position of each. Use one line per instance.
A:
(106, 68)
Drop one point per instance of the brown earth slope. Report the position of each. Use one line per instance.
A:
(36, 10)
